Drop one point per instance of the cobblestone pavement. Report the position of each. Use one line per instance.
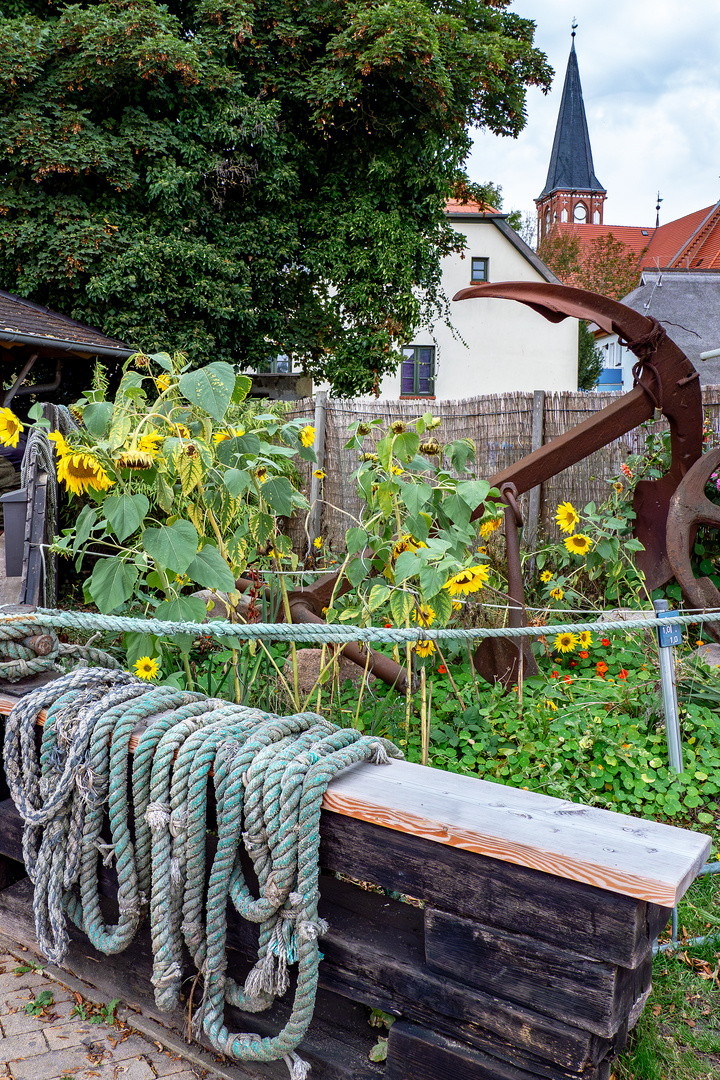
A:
(52, 1041)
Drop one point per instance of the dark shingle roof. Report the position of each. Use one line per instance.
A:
(21, 319)
(571, 164)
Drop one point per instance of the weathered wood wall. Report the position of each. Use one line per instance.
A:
(501, 428)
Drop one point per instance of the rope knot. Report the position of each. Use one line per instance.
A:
(178, 820)
(312, 929)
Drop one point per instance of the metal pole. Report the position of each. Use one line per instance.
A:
(315, 504)
(667, 639)
(530, 532)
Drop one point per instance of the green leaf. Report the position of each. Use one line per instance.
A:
(432, 581)
(278, 493)
(125, 513)
(137, 645)
(190, 472)
(210, 570)
(356, 572)
(237, 481)
(401, 604)
(111, 583)
(378, 595)
(173, 546)
(405, 445)
(96, 418)
(473, 492)
(183, 609)
(407, 565)
(355, 540)
(415, 497)
(441, 602)
(164, 493)
(84, 527)
(228, 450)
(162, 359)
(243, 384)
(210, 388)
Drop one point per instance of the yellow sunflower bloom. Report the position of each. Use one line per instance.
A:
(80, 472)
(221, 436)
(552, 706)
(10, 428)
(150, 442)
(319, 474)
(61, 446)
(567, 517)
(578, 544)
(424, 616)
(406, 543)
(163, 383)
(557, 594)
(566, 642)
(546, 576)
(466, 581)
(317, 542)
(307, 435)
(146, 668)
(489, 527)
(585, 639)
(425, 648)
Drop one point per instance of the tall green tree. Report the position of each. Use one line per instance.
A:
(604, 265)
(243, 178)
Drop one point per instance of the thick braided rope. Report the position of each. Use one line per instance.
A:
(341, 633)
(269, 773)
(18, 657)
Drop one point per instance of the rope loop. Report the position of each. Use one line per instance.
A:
(269, 775)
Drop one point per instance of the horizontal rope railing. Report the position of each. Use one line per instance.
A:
(334, 633)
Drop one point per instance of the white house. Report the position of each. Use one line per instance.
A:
(492, 346)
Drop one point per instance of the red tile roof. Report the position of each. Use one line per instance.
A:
(689, 243)
(455, 206)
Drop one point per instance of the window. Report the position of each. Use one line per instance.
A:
(418, 371)
(279, 365)
(479, 271)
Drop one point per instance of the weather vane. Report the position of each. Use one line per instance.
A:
(574, 26)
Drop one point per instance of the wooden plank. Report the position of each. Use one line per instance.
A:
(415, 1053)
(611, 927)
(588, 993)
(631, 856)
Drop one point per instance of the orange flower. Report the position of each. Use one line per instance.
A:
(442, 670)
(554, 674)
(605, 641)
(567, 679)
(623, 673)
(584, 655)
(601, 667)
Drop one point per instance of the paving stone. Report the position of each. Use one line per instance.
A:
(167, 1064)
(50, 1065)
(28, 1044)
(31, 980)
(66, 1035)
(18, 1022)
(135, 1068)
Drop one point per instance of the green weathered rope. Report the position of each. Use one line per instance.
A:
(19, 658)
(270, 774)
(341, 633)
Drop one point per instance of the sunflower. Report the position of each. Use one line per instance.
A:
(466, 581)
(142, 454)
(319, 474)
(557, 594)
(163, 383)
(566, 642)
(489, 527)
(61, 446)
(146, 668)
(81, 471)
(425, 648)
(578, 544)
(406, 543)
(567, 517)
(221, 436)
(424, 616)
(546, 576)
(182, 431)
(585, 639)
(10, 428)
(307, 435)
(397, 427)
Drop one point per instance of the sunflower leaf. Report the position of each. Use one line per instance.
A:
(111, 583)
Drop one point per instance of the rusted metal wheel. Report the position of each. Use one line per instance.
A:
(690, 507)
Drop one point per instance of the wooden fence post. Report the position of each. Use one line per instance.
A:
(315, 504)
(530, 532)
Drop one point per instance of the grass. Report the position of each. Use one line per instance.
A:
(678, 1034)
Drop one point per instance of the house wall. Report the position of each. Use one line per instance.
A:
(499, 345)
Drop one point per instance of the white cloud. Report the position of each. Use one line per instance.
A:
(651, 86)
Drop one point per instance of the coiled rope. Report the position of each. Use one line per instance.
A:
(269, 775)
(24, 651)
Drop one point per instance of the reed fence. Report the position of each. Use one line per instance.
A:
(500, 425)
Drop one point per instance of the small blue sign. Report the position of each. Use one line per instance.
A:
(668, 635)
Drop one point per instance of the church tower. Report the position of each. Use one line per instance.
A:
(572, 192)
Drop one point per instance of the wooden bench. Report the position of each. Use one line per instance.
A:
(524, 951)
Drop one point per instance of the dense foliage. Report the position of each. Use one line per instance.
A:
(603, 265)
(248, 178)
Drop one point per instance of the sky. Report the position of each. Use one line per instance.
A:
(650, 74)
